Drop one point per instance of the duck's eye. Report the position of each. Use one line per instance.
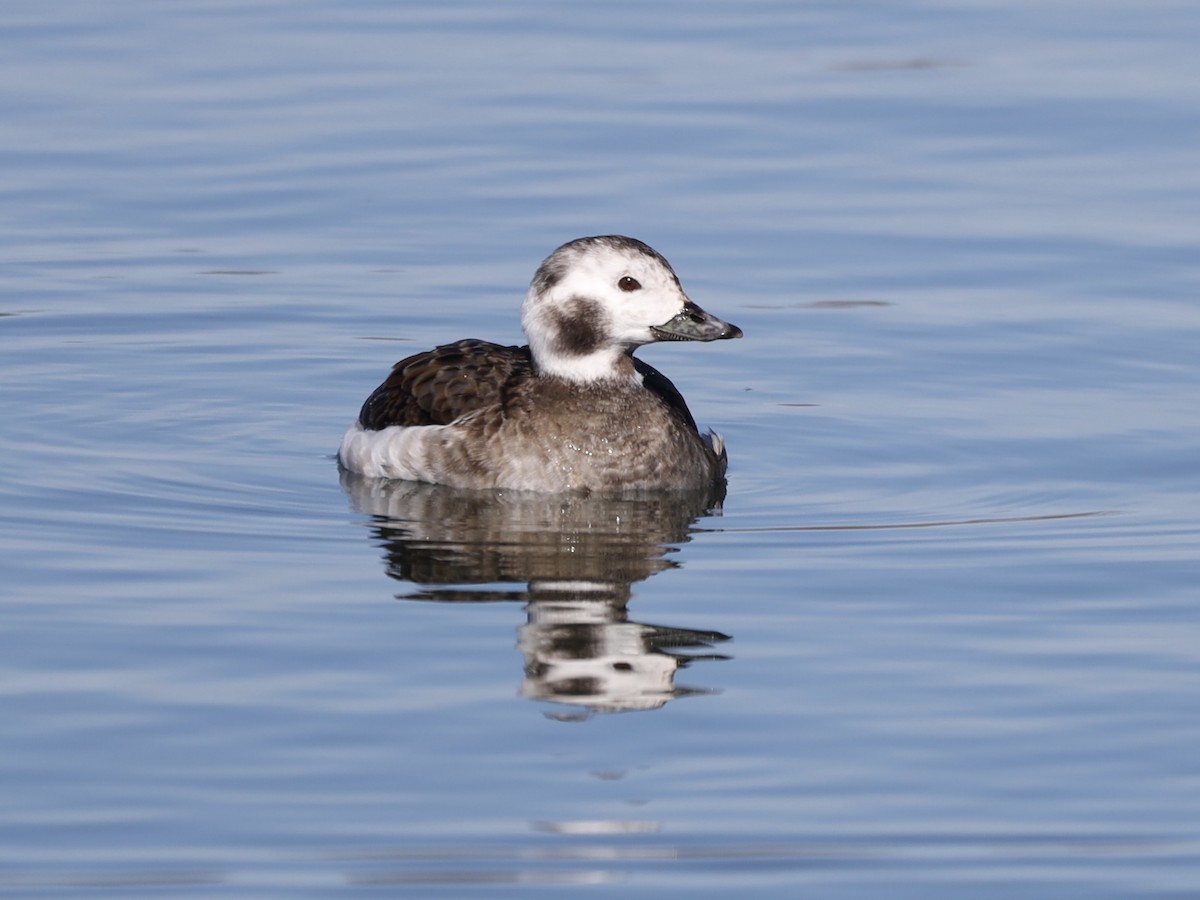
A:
(628, 283)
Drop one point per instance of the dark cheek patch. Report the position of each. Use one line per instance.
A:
(578, 328)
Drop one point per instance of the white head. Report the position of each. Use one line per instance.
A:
(596, 299)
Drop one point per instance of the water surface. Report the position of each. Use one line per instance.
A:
(939, 635)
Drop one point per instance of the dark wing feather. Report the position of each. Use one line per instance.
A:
(658, 383)
(440, 385)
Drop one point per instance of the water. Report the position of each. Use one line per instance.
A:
(940, 637)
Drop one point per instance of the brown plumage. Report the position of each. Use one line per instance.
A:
(572, 410)
(443, 384)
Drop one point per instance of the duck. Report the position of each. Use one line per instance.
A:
(571, 410)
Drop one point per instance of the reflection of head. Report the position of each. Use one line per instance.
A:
(585, 653)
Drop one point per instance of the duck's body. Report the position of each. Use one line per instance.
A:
(573, 409)
(475, 414)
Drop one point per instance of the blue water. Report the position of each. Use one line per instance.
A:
(942, 635)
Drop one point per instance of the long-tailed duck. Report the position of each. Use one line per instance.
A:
(571, 410)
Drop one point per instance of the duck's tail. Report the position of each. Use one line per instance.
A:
(716, 444)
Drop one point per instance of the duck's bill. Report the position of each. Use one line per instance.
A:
(694, 324)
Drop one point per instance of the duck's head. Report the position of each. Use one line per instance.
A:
(596, 299)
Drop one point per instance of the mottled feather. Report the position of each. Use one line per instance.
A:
(440, 385)
(443, 384)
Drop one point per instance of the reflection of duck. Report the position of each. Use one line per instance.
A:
(554, 545)
(572, 557)
(573, 409)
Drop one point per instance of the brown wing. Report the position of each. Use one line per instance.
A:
(438, 386)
